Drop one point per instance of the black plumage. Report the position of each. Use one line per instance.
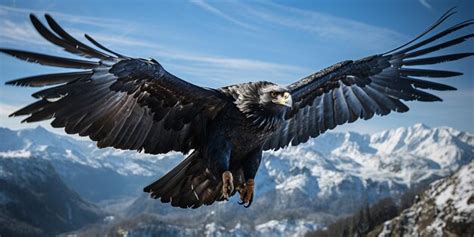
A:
(135, 104)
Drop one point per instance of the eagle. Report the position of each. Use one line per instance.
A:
(135, 104)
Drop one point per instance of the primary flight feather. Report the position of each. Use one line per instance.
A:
(135, 104)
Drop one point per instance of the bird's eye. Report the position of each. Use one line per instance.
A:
(273, 94)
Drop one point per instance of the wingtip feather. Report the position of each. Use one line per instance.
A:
(14, 83)
(49, 17)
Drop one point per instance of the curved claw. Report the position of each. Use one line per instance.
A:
(250, 202)
(246, 193)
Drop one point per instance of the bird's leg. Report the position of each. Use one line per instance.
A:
(250, 167)
(246, 192)
(219, 152)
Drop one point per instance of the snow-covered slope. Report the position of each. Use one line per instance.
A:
(35, 202)
(97, 174)
(42, 143)
(445, 209)
(379, 165)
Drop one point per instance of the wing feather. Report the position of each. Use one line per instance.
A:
(340, 106)
(48, 60)
(357, 111)
(72, 41)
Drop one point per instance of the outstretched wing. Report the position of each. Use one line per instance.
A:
(351, 90)
(118, 101)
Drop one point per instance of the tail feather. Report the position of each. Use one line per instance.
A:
(190, 184)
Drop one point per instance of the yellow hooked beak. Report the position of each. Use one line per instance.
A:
(285, 100)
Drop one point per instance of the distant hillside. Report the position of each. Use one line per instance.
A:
(35, 202)
(445, 209)
(96, 174)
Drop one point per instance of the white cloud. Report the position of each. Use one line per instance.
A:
(216, 68)
(15, 33)
(425, 4)
(6, 110)
(206, 6)
(212, 67)
(88, 20)
(326, 25)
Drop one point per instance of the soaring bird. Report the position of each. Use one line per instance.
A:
(135, 104)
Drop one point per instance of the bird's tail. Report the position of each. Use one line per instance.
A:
(190, 184)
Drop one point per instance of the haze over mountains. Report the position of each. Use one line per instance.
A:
(298, 189)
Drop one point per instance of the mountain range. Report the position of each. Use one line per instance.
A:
(298, 189)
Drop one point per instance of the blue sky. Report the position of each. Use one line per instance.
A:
(217, 43)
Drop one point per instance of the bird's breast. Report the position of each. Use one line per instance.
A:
(244, 132)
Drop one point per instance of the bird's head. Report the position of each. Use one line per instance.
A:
(262, 101)
(275, 96)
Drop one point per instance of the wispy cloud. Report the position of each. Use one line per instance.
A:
(88, 20)
(207, 67)
(6, 110)
(425, 4)
(219, 69)
(215, 67)
(15, 29)
(15, 32)
(208, 7)
(325, 25)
